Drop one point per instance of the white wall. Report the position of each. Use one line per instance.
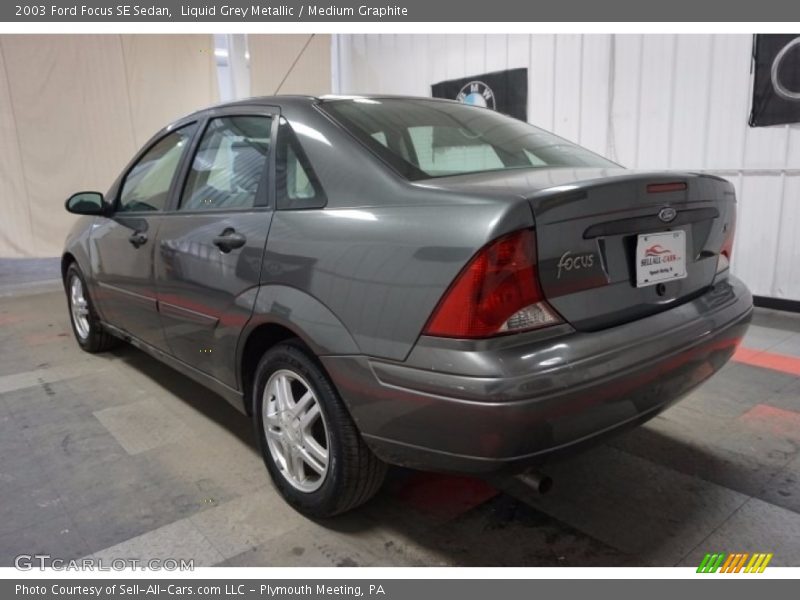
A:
(652, 101)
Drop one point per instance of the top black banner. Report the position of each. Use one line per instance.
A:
(397, 11)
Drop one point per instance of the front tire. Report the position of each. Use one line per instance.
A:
(312, 449)
(86, 325)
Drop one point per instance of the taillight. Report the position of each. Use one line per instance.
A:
(725, 252)
(497, 292)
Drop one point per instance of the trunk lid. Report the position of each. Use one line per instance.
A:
(588, 236)
(588, 223)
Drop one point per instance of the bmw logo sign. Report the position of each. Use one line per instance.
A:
(477, 93)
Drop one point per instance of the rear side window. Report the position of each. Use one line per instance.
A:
(229, 167)
(147, 184)
(297, 184)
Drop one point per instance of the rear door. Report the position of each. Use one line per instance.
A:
(211, 243)
(123, 244)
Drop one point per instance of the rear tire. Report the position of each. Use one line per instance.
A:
(338, 471)
(86, 325)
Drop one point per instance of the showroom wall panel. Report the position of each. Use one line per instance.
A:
(290, 64)
(15, 235)
(649, 102)
(67, 93)
(75, 108)
(150, 73)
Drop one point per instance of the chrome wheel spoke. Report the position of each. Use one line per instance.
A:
(297, 466)
(303, 403)
(283, 391)
(310, 416)
(285, 454)
(315, 455)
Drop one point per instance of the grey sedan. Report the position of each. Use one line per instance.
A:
(409, 281)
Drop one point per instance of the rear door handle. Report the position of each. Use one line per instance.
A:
(229, 240)
(138, 238)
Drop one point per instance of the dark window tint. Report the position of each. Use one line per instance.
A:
(229, 165)
(425, 138)
(298, 186)
(147, 184)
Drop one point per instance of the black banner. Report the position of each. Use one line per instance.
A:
(776, 87)
(503, 91)
(443, 11)
(269, 587)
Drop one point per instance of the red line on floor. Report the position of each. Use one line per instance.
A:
(778, 422)
(444, 496)
(769, 360)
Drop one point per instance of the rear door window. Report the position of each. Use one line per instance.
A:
(230, 166)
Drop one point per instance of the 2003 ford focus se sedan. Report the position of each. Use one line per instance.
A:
(385, 280)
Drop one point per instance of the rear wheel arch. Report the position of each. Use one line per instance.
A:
(258, 342)
(280, 313)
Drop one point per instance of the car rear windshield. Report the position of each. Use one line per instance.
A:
(427, 138)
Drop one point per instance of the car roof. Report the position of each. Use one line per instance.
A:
(290, 101)
(300, 100)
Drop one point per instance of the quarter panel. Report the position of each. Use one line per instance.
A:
(382, 269)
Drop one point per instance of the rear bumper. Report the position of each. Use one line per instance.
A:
(507, 403)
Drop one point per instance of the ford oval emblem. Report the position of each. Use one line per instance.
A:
(667, 214)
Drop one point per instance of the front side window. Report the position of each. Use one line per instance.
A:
(229, 165)
(427, 138)
(146, 186)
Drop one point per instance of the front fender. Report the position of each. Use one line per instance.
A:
(77, 245)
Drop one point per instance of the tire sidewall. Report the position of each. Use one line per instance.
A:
(289, 356)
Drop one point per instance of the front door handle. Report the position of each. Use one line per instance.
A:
(138, 238)
(229, 240)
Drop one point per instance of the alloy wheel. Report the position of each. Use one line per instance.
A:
(79, 307)
(295, 430)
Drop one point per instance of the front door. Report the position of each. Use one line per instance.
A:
(123, 244)
(211, 243)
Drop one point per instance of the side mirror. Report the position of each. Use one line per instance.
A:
(86, 203)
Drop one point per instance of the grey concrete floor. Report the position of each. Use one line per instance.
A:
(116, 455)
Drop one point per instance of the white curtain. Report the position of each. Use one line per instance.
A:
(290, 64)
(74, 109)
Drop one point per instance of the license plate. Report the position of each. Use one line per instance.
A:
(660, 257)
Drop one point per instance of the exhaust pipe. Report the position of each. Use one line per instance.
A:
(535, 481)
